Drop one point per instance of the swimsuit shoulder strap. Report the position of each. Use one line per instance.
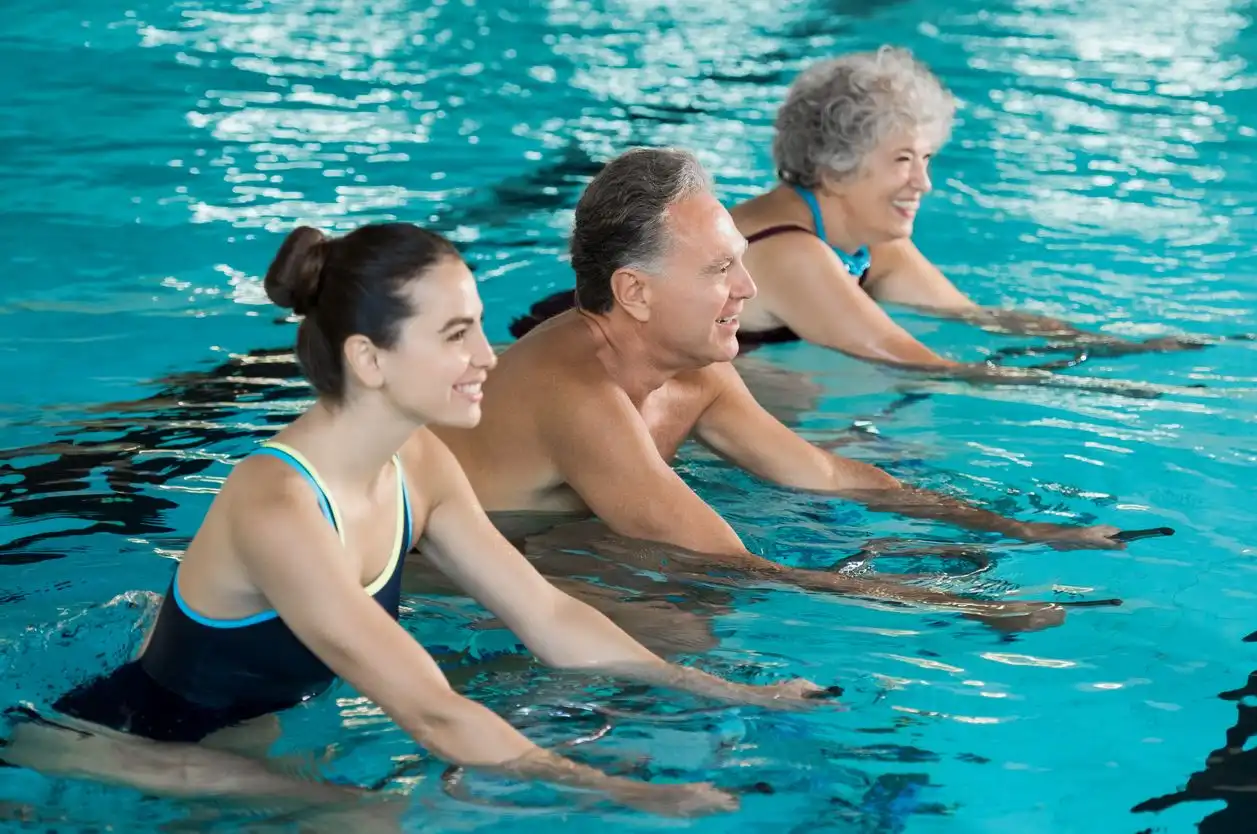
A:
(771, 231)
(857, 263)
(402, 540)
(407, 517)
(814, 206)
(303, 466)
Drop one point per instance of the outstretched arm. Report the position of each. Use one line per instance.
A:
(738, 428)
(815, 296)
(627, 485)
(824, 305)
(298, 564)
(902, 275)
(561, 630)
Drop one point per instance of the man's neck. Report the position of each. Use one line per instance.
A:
(633, 363)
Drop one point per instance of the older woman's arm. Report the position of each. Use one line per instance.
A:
(900, 274)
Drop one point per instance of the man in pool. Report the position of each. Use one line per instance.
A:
(585, 412)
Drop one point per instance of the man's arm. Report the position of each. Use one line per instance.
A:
(738, 428)
(562, 631)
(603, 450)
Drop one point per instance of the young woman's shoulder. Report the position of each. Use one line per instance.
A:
(264, 483)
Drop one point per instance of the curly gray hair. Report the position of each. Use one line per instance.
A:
(837, 111)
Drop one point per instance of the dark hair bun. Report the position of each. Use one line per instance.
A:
(292, 280)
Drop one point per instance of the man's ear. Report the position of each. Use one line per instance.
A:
(632, 291)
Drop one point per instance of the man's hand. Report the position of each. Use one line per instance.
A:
(1022, 616)
(1063, 537)
(792, 694)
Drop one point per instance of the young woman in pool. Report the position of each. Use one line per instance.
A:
(852, 149)
(294, 577)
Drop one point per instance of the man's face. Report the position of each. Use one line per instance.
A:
(698, 294)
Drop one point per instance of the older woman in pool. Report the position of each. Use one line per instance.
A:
(853, 144)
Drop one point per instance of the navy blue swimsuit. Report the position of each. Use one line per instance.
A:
(857, 264)
(198, 675)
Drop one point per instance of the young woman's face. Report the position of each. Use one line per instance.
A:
(434, 371)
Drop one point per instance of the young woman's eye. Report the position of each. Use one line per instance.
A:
(457, 335)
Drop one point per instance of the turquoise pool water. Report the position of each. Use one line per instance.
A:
(1102, 169)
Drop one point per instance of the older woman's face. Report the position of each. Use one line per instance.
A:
(882, 198)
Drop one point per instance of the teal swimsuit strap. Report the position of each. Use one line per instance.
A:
(298, 463)
(857, 263)
(818, 219)
(285, 454)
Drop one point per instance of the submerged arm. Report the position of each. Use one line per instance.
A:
(737, 427)
(561, 630)
(297, 562)
(902, 275)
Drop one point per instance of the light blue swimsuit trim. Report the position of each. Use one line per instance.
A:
(858, 263)
(263, 616)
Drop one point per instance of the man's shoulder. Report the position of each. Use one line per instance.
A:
(711, 378)
(559, 356)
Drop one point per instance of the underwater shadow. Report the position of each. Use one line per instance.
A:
(1229, 773)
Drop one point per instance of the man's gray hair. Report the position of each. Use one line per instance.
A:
(838, 111)
(621, 217)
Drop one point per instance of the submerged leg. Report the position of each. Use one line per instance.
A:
(657, 624)
(252, 739)
(77, 749)
(678, 624)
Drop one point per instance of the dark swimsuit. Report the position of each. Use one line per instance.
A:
(199, 675)
(857, 265)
